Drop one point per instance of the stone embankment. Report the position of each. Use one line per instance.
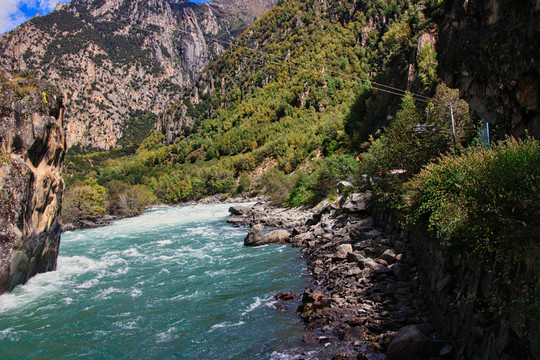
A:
(364, 301)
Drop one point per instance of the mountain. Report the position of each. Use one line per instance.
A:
(119, 62)
(32, 149)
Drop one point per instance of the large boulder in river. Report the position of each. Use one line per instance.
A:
(255, 236)
(357, 202)
(276, 236)
(239, 210)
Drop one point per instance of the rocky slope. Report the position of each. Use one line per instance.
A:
(490, 50)
(120, 60)
(32, 149)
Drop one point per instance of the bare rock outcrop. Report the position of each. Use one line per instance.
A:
(32, 149)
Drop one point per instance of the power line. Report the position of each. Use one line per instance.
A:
(342, 76)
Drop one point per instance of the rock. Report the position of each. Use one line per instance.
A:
(32, 150)
(310, 338)
(341, 356)
(356, 202)
(285, 295)
(372, 234)
(255, 236)
(366, 223)
(342, 251)
(411, 343)
(389, 256)
(401, 271)
(239, 210)
(321, 207)
(276, 236)
(355, 256)
(235, 220)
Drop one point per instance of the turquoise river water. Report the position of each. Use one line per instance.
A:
(174, 283)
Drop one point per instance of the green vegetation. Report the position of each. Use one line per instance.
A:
(83, 200)
(22, 84)
(485, 200)
(305, 112)
(288, 106)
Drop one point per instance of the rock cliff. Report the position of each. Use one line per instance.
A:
(32, 149)
(117, 58)
(490, 50)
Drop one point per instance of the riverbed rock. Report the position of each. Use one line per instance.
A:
(342, 251)
(276, 236)
(255, 236)
(239, 210)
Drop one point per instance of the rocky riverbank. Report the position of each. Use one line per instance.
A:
(364, 301)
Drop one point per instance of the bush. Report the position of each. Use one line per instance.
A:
(414, 138)
(333, 169)
(128, 200)
(83, 200)
(275, 184)
(486, 199)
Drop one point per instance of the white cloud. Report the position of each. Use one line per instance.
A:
(11, 14)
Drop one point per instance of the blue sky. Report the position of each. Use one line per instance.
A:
(15, 12)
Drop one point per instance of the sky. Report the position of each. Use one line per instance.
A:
(15, 12)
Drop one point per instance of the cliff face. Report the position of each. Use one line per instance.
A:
(490, 50)
(32, 149)
(113, 58)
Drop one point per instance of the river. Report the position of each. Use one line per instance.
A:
(173, 283)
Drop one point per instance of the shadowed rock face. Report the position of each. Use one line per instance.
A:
(32, 149)
(490, 49)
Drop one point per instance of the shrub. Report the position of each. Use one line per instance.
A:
(127, 200)
(486, 199)
(275, 184)
(83, 200)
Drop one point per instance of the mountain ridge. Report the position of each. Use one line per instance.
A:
(118, 59)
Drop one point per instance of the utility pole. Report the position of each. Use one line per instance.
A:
(453, 125)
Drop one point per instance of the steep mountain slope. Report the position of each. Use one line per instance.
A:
(279, 96)
(120, 61)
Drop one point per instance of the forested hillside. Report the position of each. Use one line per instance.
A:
(293, 95)
(120, 62)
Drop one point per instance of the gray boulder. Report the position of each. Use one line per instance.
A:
(239, 210)
(276, 236)
(357, 202)
(342, 251)
(255, 236)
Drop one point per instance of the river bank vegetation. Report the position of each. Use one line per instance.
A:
(292, 125)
